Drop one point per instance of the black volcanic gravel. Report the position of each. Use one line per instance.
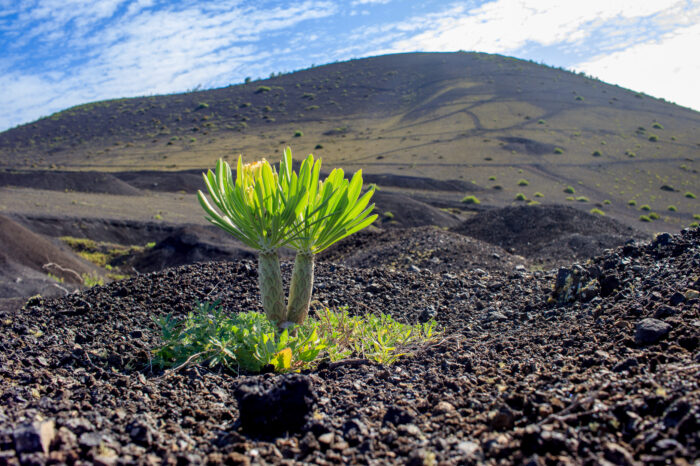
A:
(516, 379)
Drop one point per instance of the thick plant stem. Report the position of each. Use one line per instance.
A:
(271, 290)
(300, 287)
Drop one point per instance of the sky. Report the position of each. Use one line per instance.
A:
(55, 54)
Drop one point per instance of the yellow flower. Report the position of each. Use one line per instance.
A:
(249, 193)
(252, 170)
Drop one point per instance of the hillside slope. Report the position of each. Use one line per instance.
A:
(501, 124)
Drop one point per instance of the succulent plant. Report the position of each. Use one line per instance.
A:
(267, 210)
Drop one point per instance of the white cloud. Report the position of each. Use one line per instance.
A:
(369, 2)
(661, 68)
(502, 26)
(152, 52)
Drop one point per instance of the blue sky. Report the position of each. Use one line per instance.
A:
(55, 54)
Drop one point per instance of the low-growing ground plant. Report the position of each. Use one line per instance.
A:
(471, 200)
(596, 211)
(523, 182)
(538, 194)
(249, 341)
(632, 202)
(690, 195)
(673, 208)
(569, 190)
(520, 197)
(645, 207)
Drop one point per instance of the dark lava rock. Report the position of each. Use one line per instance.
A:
(398, 416)
(503, 419)
(427, 314)
(272, 411)
(608, 285)
(650, 331)
(573, 284)
(35, 437)
(141, 432)
(665, 311)
(676, 299)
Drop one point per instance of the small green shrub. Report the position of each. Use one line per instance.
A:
(657, 126)
(570, 198)
(55, 278)
(579, 98)
(541, 122)
(673, 208)
(694, 225)
(607, 202)
(569, 190)
(696, 216)
(690, 195)
(645, 207)
(249, 341)
(471, 200)
(644, 218)
(538, 194)
(388, 215)
(558, 150)
(262, 89)
(597, 153)
(202, 105)
(630, 154)
(653, 138)
(492, 178)
(318, 146)
(596, 211)
(91, 280)
(582, 199)
(298, 134)
(632, 202)
(654, 216)
(523, 182)
(533, 202)
(520, 197)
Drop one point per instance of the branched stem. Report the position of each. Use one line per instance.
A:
(300, 287)
(271, 290)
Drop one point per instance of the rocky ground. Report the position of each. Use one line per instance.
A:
(602, 370)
